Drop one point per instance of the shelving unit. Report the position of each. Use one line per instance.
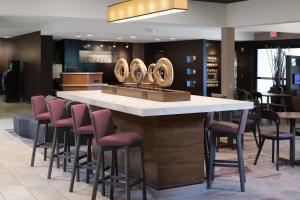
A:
(213, 69)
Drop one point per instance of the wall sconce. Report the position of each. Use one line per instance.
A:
(114, 46)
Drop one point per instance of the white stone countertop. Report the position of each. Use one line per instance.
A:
(142, 107)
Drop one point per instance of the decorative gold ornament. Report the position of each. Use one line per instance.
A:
(166, 66)
(121, 70)
(137, 70)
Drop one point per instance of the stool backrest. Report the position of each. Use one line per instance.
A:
(208, 119)
(270, 115)
(80, 116)
(243, 121)
(57, 110)
(39, 105)
(100, 121)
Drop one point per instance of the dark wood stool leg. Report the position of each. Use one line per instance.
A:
(57, 157)
(35, 144)
(75, 165)
(259, 150)
(112, 174)
(127, 178)
(273, 150)
(69, 144)
(65, 151)
(210, 163)
(277, 155)
(52, 153)
(102, 173)
(206, 151)
(89, 158)
(213, 154)
(45, 142)
(143, 176)
(240, 162)
(97, 175)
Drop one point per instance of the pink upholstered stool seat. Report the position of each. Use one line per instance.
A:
(120, 139)
(86, 130)
(68, 122)
(43, 116)
(224, 128)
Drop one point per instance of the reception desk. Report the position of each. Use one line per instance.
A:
(173, 132)
(74, 81)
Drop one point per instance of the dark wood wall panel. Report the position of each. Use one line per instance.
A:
(177, 52)
(5, 54)
(35, 52)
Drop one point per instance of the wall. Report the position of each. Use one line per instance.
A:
(70, 58)
(35, 52)
(177, 52)
(5, 54)
(280, 36)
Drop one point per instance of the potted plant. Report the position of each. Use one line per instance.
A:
(276, 61)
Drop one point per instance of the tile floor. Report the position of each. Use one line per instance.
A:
(19, 181)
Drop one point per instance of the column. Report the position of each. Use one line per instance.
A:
(227, 61)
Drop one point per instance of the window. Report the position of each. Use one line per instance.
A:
(264, 62)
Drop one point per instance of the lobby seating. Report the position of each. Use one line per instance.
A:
(274, 136)
(114, 143)
(42, 116)
(235, 131)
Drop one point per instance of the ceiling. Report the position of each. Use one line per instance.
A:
(86, 20)
(222, 1)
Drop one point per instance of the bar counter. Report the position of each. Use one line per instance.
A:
(173, 132)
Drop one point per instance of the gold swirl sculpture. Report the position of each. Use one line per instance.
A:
(166, 66)
(137, 70)
(150, 73)
(121, 70)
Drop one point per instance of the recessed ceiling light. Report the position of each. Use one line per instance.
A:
(133, 37)
(78, 36)
(119, 38)
(172, 38)
(89, 35)
(157, 39)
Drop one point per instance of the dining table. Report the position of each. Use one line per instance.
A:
(282, 97)
(292, 117)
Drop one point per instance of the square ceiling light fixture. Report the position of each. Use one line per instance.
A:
(131, 10)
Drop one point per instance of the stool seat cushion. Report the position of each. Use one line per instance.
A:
(43, 116)
(120, 139)
(85, 130)
(273, 135)
(223, 128)
(68, 122)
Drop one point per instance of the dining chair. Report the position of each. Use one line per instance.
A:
(275, 136)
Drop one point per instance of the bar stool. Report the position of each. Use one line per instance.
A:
(235, 131)
(113, 143)
(42, 116)
(62, 123)
(82, 126)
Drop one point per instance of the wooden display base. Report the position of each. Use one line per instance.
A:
(164, 95)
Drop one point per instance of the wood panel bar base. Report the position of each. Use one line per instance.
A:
(173, 148)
